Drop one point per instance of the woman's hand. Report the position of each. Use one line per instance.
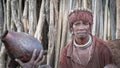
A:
(33, 63)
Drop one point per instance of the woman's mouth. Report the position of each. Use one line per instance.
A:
(81, 32)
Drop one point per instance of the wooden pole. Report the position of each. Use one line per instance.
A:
(105, 20)
(25, 17)
(84, 4)
(40, 22)
(94, 16)
(118, 19)
(112, 19)
(17, 22)
(31, 17)
(51, 43)
(101, 20)
(8, 14)
(64, 32)
(57, 47)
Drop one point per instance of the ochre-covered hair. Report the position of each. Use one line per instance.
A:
(80, 14)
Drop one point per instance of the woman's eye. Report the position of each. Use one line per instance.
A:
(86, 23)
(76, 23)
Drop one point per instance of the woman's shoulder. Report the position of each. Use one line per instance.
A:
(102, 45)
(100, 41)
(68, 44)
(67, 48)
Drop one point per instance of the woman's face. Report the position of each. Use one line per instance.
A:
(81, 29)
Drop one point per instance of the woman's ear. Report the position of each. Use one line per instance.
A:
(91, 28)
(71, 30)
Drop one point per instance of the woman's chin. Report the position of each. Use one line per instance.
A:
(82, 36)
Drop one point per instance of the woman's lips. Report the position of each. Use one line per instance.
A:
(81, 32)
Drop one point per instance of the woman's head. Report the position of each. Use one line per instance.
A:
(80, 22)
(84, 15)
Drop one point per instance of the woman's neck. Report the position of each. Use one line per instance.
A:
(82, 41)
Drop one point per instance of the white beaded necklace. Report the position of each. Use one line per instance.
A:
(85, 45)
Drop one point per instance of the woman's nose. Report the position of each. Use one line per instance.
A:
(81, 27)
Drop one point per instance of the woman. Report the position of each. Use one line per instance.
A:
(84, 50)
